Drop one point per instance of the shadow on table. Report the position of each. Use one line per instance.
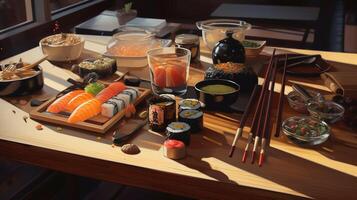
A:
(296, 173)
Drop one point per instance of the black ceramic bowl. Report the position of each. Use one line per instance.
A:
(22, 86)
(217, 101)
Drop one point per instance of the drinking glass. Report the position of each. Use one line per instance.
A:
(169, 67)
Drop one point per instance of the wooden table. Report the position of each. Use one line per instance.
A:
(325, 172)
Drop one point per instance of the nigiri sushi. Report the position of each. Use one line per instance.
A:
(110, 91)
(60, 104)
(78, 100)
(85, 111)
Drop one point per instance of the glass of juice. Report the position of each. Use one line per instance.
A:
(169, 67)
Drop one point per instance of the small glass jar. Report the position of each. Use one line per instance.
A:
(191, 42)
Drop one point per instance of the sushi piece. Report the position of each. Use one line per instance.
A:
(94, 88)
(60, 104)
(112, 107)
(85, 111)
(179, 131)
(133, 93)
(102, 66)
(194, 118)
(110, 91)
(120, 102)
(174, 149)
(78, 100)
(125, 97)
(159, 76)
(189, 104)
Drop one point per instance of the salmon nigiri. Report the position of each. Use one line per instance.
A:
(60, 104)
(85, 111)
(78, 100)
(110, 91)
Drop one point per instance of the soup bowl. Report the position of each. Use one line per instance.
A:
(217, 94)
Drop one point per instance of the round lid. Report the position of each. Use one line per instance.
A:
(186, 39)
(178, 127)
(191, 114)
(190, 104)
(134, 36)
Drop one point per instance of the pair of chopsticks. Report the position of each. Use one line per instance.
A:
(261, 127)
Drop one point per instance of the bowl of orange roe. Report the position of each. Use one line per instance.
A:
(129, 47)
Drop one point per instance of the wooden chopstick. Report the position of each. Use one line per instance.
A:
(266, 128)
(243, 120)
(281, 100)
(261, 115)
(257, 110)
(34, 64)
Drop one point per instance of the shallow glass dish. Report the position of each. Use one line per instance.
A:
(215, 30)
(297, 103)
(327, 111)
(306, 130)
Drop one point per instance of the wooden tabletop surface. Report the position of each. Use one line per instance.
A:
(327, 171)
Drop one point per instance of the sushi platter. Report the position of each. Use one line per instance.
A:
(97, 124)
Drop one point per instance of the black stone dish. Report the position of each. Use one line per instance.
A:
(217, 101)
(22, 86)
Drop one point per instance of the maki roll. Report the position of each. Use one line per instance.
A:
(112, 107)
(179, 131)
(133, 93)
(102, 66)
(192, 117)
(174, 149)
(189, 104)
(125, 97)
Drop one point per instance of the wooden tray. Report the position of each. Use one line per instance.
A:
(97, 124)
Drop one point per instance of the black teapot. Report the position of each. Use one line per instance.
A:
(228, 57)
(228, 50)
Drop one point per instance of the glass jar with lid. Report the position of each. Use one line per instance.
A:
(190, 42)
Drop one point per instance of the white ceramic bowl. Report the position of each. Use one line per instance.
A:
(62, 52)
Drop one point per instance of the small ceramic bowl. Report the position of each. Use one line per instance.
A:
(253, 51)
(62, 52)
(217, 101)
(329, 111)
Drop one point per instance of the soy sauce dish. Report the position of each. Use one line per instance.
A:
(217, 94)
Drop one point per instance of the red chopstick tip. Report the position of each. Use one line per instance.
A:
(261, 159)
(232, 151)
(244, 158)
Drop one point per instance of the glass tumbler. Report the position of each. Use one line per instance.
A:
(169, 67)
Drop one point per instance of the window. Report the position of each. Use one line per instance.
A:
(60, 5)
(14, 13)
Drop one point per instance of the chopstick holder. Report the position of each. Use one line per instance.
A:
(342, 83)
